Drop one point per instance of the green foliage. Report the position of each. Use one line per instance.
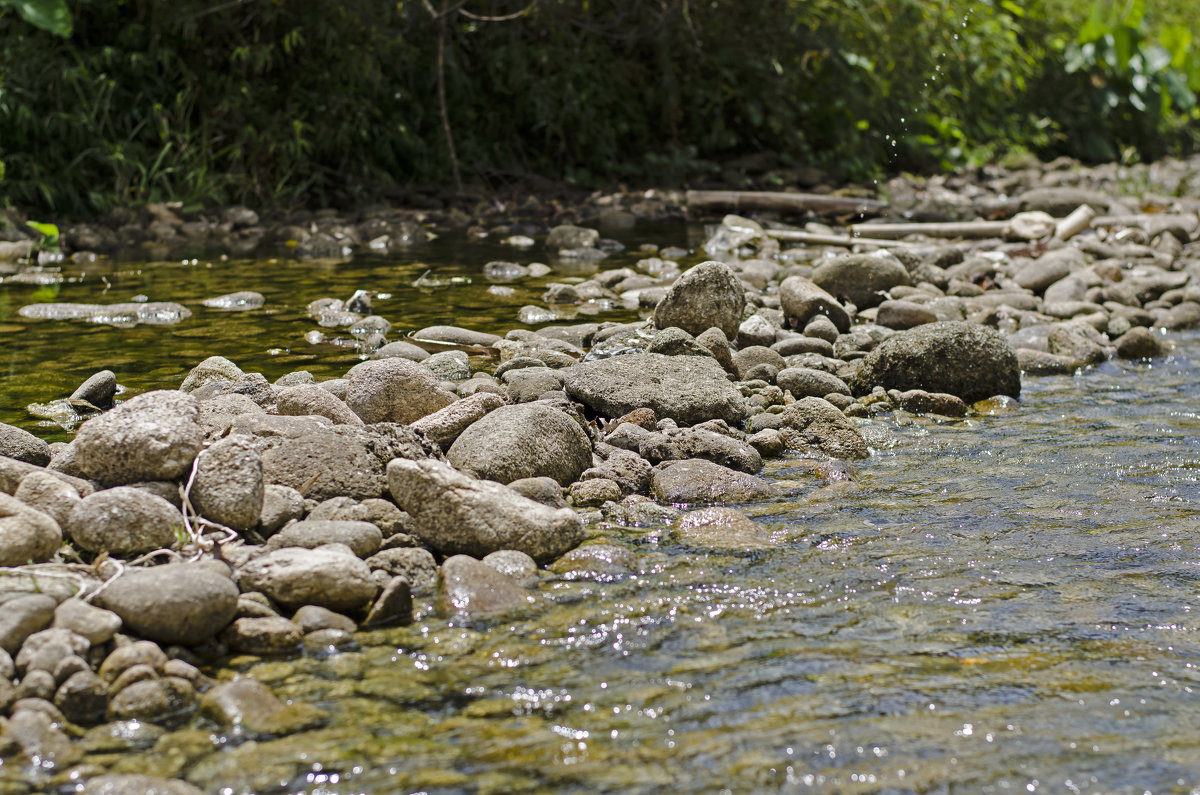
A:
(1123, 87)
(51, 15)
(49, 234)
(288, 102)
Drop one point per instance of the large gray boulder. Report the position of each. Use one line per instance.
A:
(26, 534)
(527, 440)
(861, 278)
(229, 483)
(454, 513)
(699, 481)
(179, 603)
(687, 389)
(153, 436)
(706, 296)
(802, 300)
(343, 461)
(394, 390)
(124, 520)
(968, 360)
(325, 577)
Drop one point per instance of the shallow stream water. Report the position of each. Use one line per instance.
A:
(1006, 603)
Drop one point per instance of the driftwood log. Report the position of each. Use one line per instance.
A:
(741, 200)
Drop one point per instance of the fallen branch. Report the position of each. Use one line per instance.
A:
(846, 241)
(738, 200)
(1080, 219)
(973, 229)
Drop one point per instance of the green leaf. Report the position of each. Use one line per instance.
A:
(49, 231)
(51, 15)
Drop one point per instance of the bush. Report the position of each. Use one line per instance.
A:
(285, 102)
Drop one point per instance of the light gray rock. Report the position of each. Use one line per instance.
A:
(674, 341)
(1139, 343)
(683, 443)
(445, 425)
(401, 350)
(363, 538)
(94, 623)
(454, 513)
(568, 237)
(178, 603)
(699, 481)
(124, 520)
(164, 700)
(1078, 342)
(216, 414)
(816, 422)
(802, 300)
(309, 399)
(523, 441)
(970, 361)
(626, 468)
(343, 461)
(265, 636)
(904, 314)
(687, 389)
(862, 278)
(382, 513)
(37, 735)
(414, 564)
(99, 389)
(281, 504)
(228, 488)
(153, 436)
(919, 401)
(805, 382)
(530, 383)
(212, 369)
(23, 616)
(293, 577)
(547, 491)
(27, 535)
(469, 587)
(457, 335)
(22, 445)
(449, 365)
(705, 296)
(48, 494)
(394, 390)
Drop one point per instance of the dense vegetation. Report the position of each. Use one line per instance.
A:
(274, 102)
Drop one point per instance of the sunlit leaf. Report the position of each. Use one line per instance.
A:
(51, 15)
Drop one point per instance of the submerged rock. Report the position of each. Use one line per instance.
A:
(153, 313)
(699, 481)
(467, 586)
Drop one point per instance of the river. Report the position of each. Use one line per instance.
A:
(1004, 603)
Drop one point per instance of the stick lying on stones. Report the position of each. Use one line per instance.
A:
(738, 200)
(815, 239)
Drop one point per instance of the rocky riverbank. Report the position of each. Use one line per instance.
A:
(459, 469)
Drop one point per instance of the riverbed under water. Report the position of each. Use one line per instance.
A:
(1006, 603)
